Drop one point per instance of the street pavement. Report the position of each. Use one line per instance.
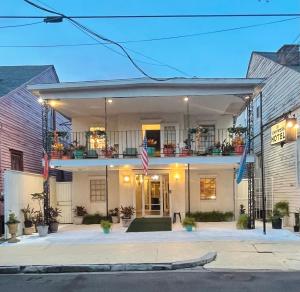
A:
(192, 280)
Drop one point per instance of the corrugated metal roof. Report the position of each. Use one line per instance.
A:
(12, 77)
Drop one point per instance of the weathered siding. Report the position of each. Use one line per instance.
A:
(20, 125)
(280, 95)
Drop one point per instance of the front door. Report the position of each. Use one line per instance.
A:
(152, 196)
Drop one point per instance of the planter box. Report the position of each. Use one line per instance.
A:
(126, 222)
(169, 152)
(42, 230)
(56, 154)
(277, 223)
(77, 220)
(78, 154)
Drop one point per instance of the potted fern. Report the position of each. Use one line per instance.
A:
(28, 220)
(106, 226)
(189, 223)
(12, 225)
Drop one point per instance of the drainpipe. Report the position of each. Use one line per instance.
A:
(262, 164)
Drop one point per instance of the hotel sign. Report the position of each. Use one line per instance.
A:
(278, 132)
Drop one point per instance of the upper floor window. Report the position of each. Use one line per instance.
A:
(16, 160)
(97, 138)
(208, 188)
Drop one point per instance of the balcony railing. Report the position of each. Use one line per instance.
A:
(128, 144)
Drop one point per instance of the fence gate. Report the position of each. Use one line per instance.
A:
(64, 201)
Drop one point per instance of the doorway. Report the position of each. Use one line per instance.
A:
(152, 196)
(153, 134)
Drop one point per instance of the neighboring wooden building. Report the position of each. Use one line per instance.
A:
(281, 94)
(21, 117)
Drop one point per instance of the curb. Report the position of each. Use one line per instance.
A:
(44, 269)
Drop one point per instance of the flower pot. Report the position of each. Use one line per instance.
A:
(169, 152)
(78, 154)
(42, 230)
(56, 154)
(77, 220)
(126, 222)
(28, 230)
(65, 157)
(12, 229)
(239, 149)
(106, 230)
(276, 223)
(189, 228)
(53, 227)
(115, 219)
(185, 152)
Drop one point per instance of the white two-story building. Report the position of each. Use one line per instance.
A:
(184, 121)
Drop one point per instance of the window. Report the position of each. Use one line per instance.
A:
(16, 160)
(208, 188)
(97, 190)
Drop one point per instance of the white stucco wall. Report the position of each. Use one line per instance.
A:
(224, 189)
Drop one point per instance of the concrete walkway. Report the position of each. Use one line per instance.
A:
(237, 249)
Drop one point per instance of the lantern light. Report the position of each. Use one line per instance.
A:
(40, 100)
(126, 178)
(291, 130)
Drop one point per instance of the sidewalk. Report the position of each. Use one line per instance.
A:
(236, 249)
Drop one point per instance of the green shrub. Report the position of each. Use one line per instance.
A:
(189, 221)
(213, 216)
(281, 209)
(93, 218)
(242, 222)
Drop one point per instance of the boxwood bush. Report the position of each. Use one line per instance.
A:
(93, 218)
(213, 216)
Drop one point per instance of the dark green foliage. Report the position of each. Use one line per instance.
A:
(93, 218)
(213, 216)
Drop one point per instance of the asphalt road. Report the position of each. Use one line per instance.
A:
(154, 281)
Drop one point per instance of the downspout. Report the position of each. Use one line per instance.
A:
(262, 164)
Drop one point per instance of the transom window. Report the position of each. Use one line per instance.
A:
(208, 188)
(97, 190)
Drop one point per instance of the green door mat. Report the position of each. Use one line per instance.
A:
(150, 224)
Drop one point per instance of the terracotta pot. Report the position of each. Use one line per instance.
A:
(239, 149)
(28, 230)
(169, 151)
(56, 154)
(12, 229)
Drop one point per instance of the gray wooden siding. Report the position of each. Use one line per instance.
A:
(20, 125)
(280, 94)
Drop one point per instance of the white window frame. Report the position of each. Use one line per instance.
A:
(209, 177)
(92, 178)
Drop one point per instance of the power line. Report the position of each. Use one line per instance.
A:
(163, 16)
(21, 25)
(171, 37)
(97, 36)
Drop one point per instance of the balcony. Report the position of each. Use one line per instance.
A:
(99, 144)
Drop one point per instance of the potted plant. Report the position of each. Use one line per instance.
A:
(57, 151)
(217, 150)
(80, 212)
(127, 213)
(66, 154)
(78, 150)
(189, 223)
(243, 220)
(28, 220)
(106, 226)
(41, 226)
(12, 224)
(236, 133)
(114, 214)
(227, 149)
(54, 213)
(186, 150)
(169, 150)
(280, 210)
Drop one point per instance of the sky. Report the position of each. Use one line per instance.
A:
(223, 54)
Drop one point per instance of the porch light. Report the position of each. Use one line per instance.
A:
(126, 178)
(247, 97)
(291, 129)
(155, 177)
(52, 103)
(111, 166)
(177, 176)
(109, 100)
(186, 99)
(40, 100)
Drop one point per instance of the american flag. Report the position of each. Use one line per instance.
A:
(144, 156)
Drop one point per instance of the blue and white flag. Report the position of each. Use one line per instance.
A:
(243, 164)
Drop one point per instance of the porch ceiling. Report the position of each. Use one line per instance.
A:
(207, 96)
(199, 105)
